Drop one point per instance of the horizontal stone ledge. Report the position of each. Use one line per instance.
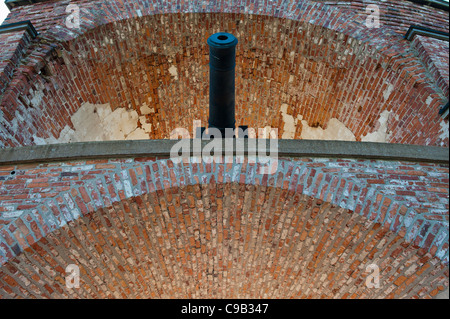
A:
(162, 148)
(18, 3)
(19, 26)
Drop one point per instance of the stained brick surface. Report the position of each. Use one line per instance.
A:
(221, 241)
(398, 15)
(209, 217)
(322, 61)
(151, 228)
(434, 54)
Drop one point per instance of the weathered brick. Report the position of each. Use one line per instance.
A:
(221, 230)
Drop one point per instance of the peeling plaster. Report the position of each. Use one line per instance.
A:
(146, 126)
(380, 135)
(173, 71)
(37, 98)
(99, 123)
(443, 132)
(388, 92)
(290, 123)
(335, 130)
(145, 109)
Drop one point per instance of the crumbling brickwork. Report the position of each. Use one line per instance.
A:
(152, 228)
(323, 63)
(434, 54)
(315, 224)
(397, 15)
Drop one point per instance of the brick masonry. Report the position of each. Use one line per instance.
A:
(14, 45)
(434, 53)
(393, 214)
(316, 224)
(323, 63)
(398, 15)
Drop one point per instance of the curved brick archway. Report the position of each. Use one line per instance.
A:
(309, 69)
(184, 203)
(236, 240)
(150, 60)
(398, 15)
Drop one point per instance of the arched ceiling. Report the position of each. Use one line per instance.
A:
(310, 78)
(223, 241)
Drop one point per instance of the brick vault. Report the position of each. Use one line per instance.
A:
(372, 192)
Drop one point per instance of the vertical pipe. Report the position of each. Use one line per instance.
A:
(222, 62)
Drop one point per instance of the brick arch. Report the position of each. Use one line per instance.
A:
(393, 77)
(398, 210)
(234, 240)
(69, 190)
(75, 192)
(399, 15)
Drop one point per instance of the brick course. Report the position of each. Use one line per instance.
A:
(398, 15)
(379, 221)
(434, 53)
(146, 227)
(323, 63)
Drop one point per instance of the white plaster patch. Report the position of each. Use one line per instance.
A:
(381, 135)
(290, 123)
(388, 91)
(99, 123)
(137, 134)
(147, 127)
(173, 71)
(335, 130)
(37, 98)
(443, 131)
(145, 109)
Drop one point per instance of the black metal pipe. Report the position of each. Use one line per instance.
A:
(222, 62)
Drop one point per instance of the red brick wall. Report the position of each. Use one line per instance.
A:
(393, 214)
(346, 75)
(398, 15)
(434, 53)
(14, 45)
(172, 257)
(347, 214)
